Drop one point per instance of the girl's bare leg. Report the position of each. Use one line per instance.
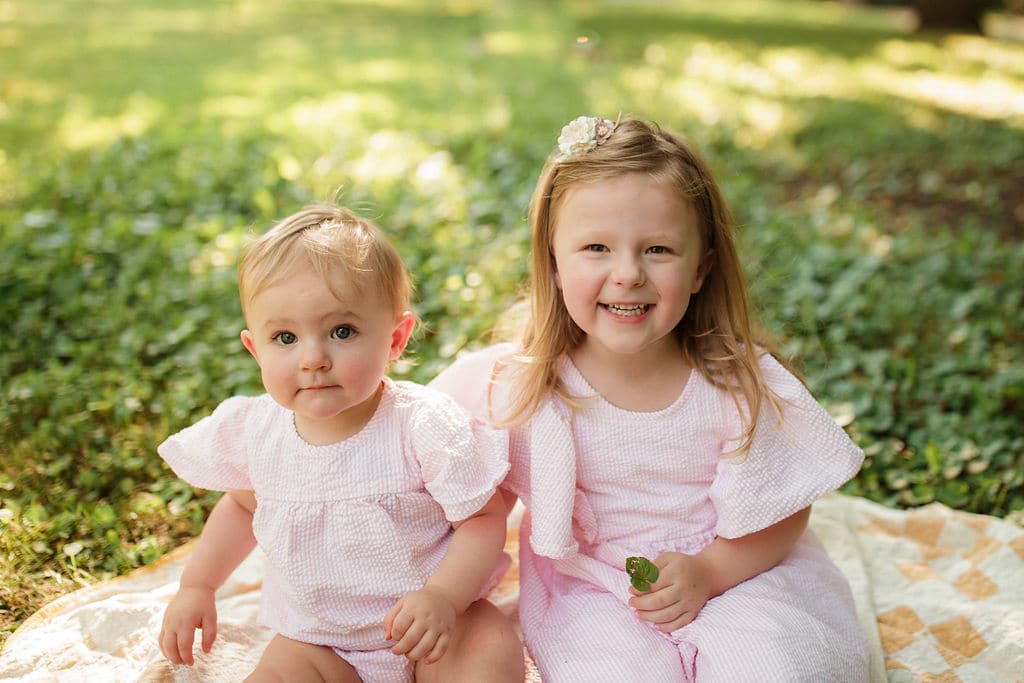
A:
(484, 648)
(286, 661)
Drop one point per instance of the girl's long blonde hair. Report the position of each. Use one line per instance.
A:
(715, 334)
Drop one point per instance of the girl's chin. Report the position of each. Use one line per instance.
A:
(638, 348)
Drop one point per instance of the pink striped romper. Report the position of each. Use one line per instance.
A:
(347, 528)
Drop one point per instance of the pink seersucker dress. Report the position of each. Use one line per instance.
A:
(608, 483)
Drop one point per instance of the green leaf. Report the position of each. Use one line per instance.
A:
(642, 572)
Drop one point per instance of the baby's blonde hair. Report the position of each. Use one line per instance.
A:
(340, 246)
(715, 334)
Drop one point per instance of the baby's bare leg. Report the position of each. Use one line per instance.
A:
(286, 660)
(484, 648)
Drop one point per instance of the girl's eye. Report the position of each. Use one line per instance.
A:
(595, 247)
(342, 332)
(285, 338)
(658, 249)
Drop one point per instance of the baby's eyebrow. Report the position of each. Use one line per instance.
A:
(344, 314)
(340, 314)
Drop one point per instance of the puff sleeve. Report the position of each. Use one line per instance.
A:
(462, 459)
(211, 454)
(469, 379)
(790, 463)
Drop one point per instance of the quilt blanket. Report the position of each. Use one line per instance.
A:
(939, 593)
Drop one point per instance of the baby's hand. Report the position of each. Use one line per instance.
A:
(192, 608)
(675, 599)
(422, 623)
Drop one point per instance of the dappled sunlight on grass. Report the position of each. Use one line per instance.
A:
(762, 96)
(963, 74)
(924, 118)
(289, 168)
(389, 157)
(717, 84)
(508, 42)
(289, 48)
(29, 91)
(804, 72)
(80, 128)
(337, 118)
(879, 243)
(992, 54)
(383, 70)
(909, 54)
(221, 252)
(723, 66)
(765, 120)
(814, 14)
(437, 174)
(12, 182)
(990, 97)
(393, 160)
(8, 37)
(232, 106)
(831, 219)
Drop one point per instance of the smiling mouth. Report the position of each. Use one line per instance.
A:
(627, 311)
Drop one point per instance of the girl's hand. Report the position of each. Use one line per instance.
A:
(193, 607)
(675, 599)
(422, 623)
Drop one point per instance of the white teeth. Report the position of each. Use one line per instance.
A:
(635, 309)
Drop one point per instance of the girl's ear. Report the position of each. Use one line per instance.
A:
(400, 335)
(706, 261)
(249, 343)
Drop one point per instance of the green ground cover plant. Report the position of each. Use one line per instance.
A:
(875, 174)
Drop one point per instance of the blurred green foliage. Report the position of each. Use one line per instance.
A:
(875, 175)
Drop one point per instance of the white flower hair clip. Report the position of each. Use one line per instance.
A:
(583, 134)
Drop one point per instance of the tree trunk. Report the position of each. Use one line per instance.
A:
(950, 14)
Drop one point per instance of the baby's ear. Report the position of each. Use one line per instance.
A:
(400, 335)
(249, 343)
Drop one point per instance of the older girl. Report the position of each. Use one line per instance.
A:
(647, 421)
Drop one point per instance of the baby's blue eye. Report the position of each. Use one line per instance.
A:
(285, 338)
(342, 332)
(595, 247)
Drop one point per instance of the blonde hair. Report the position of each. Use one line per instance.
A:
(715, 334)
(338, 245)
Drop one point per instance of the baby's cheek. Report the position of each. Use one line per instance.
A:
(362, 374)
(278, 383)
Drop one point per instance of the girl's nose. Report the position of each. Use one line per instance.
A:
(315, 358)
(628, 272)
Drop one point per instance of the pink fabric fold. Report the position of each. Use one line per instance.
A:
(552, 482)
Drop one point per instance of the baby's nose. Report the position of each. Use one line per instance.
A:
(314, 357)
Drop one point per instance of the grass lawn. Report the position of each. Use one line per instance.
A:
(875, 174)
